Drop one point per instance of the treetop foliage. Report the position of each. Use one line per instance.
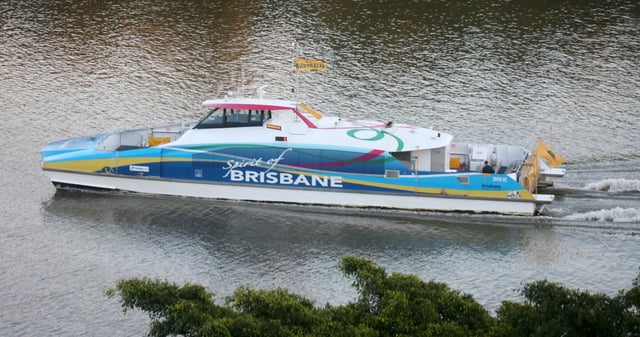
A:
(387, 305)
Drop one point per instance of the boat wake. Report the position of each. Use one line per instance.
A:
(615, 185)
(614, 215)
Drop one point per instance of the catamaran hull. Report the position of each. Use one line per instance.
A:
(229, 191)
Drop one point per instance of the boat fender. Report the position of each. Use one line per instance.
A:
(526, 182)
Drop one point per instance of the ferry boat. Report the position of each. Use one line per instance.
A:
(281, 151)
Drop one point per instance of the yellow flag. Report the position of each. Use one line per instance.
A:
(303, 64)
(543, 150)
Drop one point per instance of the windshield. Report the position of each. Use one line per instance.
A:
(225, 118)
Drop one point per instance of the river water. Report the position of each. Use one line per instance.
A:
(486, 71)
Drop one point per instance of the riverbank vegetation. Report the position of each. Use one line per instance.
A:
(387, 305)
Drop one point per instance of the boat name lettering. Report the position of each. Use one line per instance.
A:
(284, 178)
(491, 186)
(500, 179)
(255, 162)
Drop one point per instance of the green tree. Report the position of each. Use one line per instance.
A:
(173, 310)
(405, 305)
(387, 305)
(280, 312)
(553, 310)
(631, 302)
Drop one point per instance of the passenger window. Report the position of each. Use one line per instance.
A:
(226, 118)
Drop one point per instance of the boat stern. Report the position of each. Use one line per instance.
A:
(543, 199)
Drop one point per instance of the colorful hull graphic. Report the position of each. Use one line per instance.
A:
(285, 167)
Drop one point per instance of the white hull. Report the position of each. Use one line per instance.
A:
(297, 196)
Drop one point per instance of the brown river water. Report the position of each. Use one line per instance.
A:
(485, 71)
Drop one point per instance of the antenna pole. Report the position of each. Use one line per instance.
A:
(295, 70)
(241, 84)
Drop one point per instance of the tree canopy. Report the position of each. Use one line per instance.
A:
(387, 305)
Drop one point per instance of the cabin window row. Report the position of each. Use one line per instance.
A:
(225, 118)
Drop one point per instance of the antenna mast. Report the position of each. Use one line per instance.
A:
(294, 56)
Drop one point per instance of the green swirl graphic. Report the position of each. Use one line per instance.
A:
(378, 135)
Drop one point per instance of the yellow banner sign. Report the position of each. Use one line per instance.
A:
(303, 64)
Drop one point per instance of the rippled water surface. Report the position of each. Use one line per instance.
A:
(487, 72)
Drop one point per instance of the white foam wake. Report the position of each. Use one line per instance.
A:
(617, 214)
(615, 185)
